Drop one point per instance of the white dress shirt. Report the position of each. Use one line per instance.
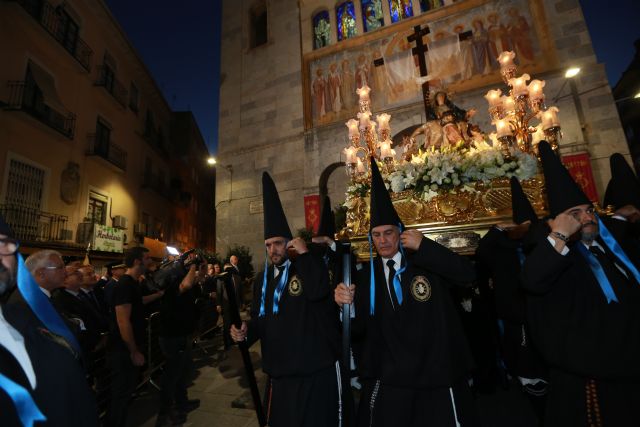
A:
(397, 259)
(13, 342)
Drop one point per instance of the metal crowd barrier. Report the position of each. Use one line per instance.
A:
(99, 374)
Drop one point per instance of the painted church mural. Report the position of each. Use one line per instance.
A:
(389, 68)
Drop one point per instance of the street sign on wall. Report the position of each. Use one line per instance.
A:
(107, 239)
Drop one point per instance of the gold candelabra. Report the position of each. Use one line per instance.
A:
(366, 142)
(512, 114)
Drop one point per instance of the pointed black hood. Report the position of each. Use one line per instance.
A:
(4, 227)
(520, 205)
(275, 223)
(623, 188)
(327, 225)
(382, 211)
(562, 191)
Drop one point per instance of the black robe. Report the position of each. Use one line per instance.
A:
(500, 254)
(582, 337)
(61, 392)
(420, 347)
(300, 344)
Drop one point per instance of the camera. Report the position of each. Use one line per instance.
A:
(172, 272)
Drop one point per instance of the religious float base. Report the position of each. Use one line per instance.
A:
(456, 220)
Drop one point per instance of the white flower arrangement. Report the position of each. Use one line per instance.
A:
(451, 169)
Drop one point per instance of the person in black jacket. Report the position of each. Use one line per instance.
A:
(415, 359)
(36, 361)
(289, 315)
(584, 309)
(502, 250)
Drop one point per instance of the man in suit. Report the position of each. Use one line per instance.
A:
(40, 379)
(289, 315)
(584, 309)
(415, 359)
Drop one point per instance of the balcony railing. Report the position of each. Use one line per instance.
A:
(109, 151)
(47, 16)
(107, 80)
(33, 225)
(61, 120)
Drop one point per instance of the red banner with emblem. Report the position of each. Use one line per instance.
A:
(312, 212)
(579, 166)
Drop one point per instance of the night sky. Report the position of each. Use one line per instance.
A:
(180, 44)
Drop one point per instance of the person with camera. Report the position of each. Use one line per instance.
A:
(289, 314)
(177, 326)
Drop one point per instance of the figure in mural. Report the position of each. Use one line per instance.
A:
(322, 30)
(347, 85)
(520, 33)
(333, 81)
(362, 72)
(498, 36)
(483, 62)
(400, 9)
(318, 87)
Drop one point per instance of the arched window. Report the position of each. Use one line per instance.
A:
(321, 29)
(400, 9)
(346, 14)
(372, 14)
(426, 5)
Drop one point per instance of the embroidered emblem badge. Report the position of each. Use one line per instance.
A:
(420, 289)
(295, 286)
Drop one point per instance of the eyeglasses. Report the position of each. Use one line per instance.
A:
(8, 246)
(53, 267)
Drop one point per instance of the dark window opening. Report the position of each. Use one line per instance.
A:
(259, 26)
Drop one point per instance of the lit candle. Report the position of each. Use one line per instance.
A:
(508, 104)
(503, 128)
(519, 85)
(535, 90)
(353, 128)
(385, 149)
(350, 153)
(506, 59)
(363, 93)
(493, 97)
(550, 118)
(360, 166)
(383, 121)
(364, 119)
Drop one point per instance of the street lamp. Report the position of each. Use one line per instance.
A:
(211, 161)
(572, 72)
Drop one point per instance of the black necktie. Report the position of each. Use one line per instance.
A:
(609, 266)
(392, 272)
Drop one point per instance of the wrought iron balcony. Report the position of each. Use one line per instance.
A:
(22, 97)
(107, 80)
(53, 22)
(109, 151)
(34, 225)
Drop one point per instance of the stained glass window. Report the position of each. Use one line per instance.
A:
(426, 5)
(321, 29)
(400, 9)
(346, 15)
(372, 14)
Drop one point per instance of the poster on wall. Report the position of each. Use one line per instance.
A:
(503, 25)
(107, 239)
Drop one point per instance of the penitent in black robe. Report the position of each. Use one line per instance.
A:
(414, 357)
(300, 345)
(590, 344)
